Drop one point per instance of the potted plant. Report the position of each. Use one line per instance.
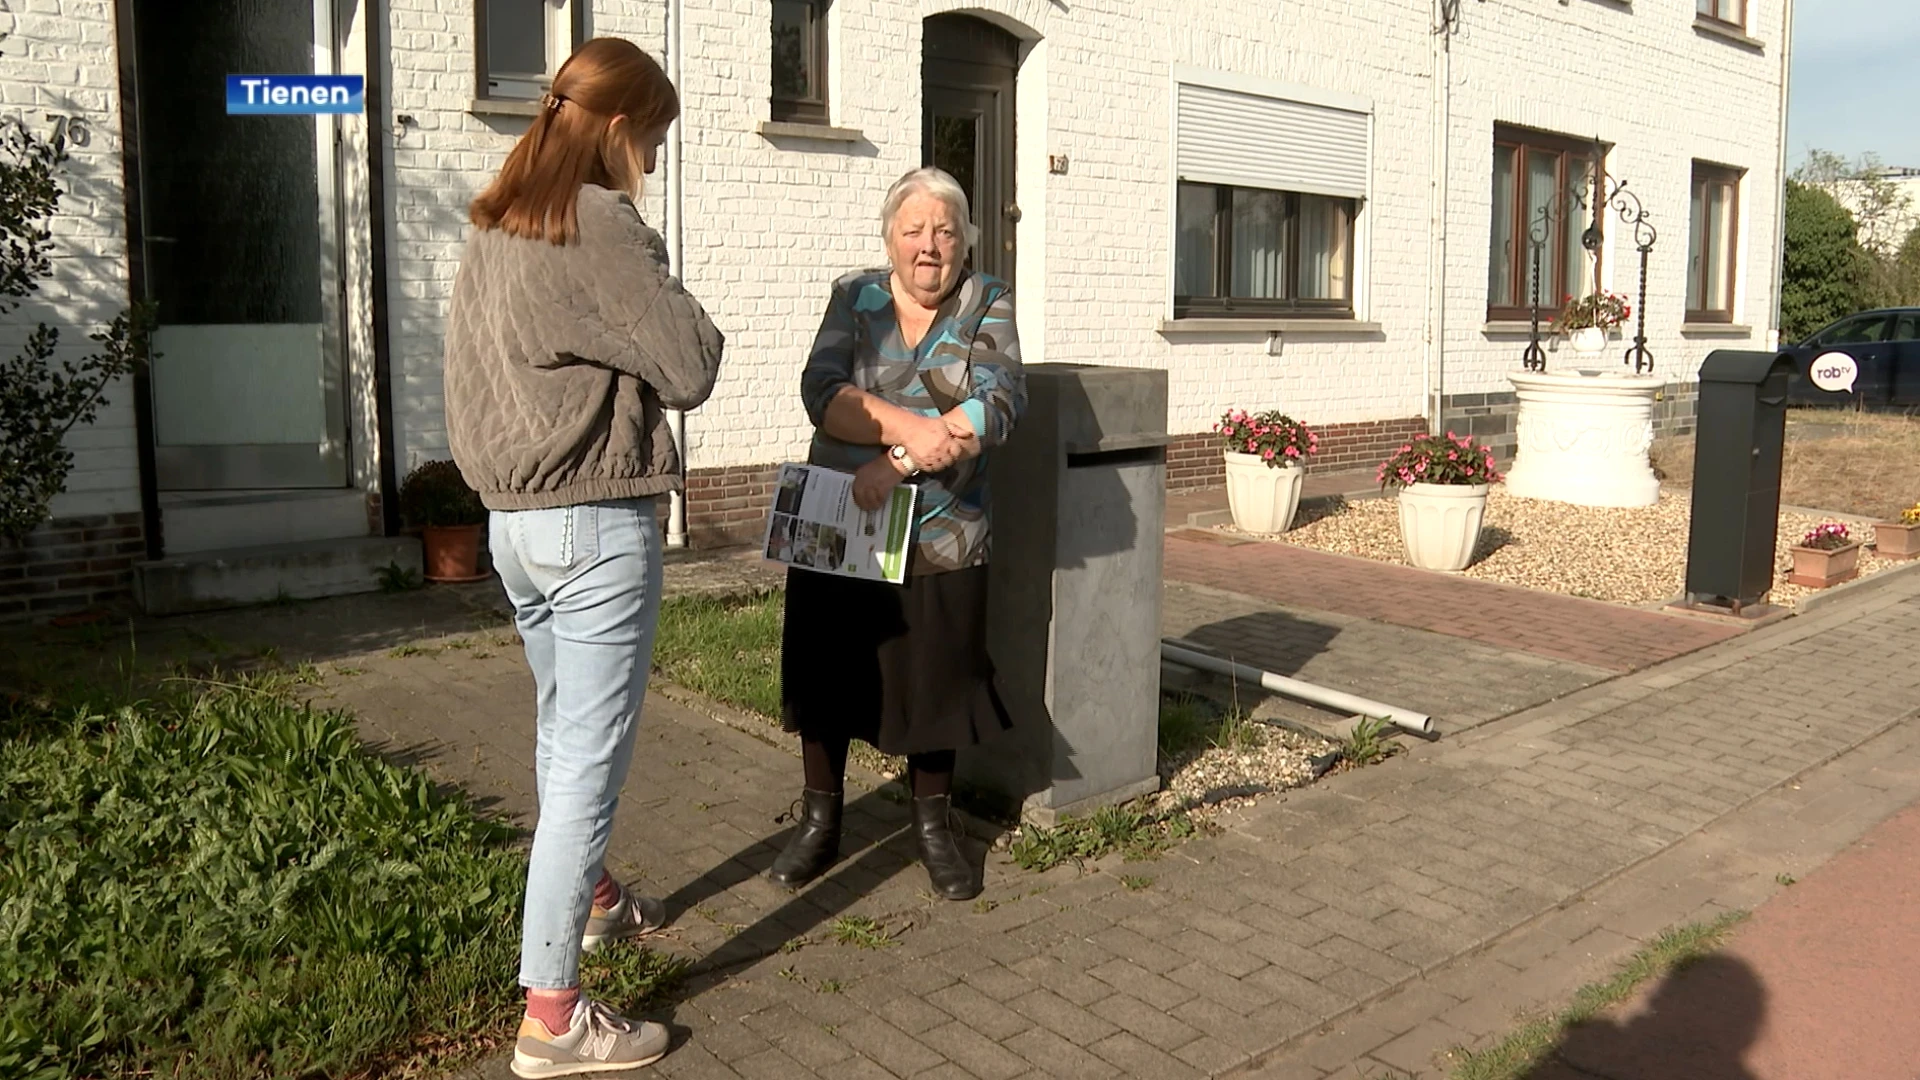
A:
(1899, 539)
(436, 500)
(1266, 459)
(1443, 484)
(1825, 557)
(1586, 321)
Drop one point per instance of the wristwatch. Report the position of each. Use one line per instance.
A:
(899, 454)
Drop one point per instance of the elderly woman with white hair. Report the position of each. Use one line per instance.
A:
(914, 377)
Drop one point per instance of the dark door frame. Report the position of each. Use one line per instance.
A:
(970, 67)
(376, 14)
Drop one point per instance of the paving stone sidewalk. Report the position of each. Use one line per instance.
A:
(1460, 683)
(1217, 958)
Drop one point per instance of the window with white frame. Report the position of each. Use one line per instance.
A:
(522, 43)
(1269, 194)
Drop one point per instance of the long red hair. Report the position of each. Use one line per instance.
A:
(574, 141)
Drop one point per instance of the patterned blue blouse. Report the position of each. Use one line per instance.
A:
(970, 359)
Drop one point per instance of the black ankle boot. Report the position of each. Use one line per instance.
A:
(948, 866)
(815, 843)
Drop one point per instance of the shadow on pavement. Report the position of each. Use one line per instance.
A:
(875, 846)
(1275, 641)
(1696, 1025)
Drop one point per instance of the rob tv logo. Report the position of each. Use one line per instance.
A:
(295, 95)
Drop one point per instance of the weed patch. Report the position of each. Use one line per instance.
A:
(1138, 834)
(1514, 1057)
(1367, 743)
(860, 931)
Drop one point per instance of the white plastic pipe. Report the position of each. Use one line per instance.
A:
(676, 214)
(1417, 722)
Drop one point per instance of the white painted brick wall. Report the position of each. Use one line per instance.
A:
(436, 169)
(769, 225)
(59, 61)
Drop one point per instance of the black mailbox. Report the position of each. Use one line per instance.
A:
(1738, 440)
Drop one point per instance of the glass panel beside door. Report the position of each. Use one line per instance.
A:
(240, 251)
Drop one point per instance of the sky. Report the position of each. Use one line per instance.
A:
(1856, 80)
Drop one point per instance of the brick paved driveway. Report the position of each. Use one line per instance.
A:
(1589, 632)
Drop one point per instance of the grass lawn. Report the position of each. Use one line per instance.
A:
(725, 648)
(1867, 464)
(221, 882)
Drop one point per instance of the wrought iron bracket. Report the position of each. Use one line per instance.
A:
(1607, 195)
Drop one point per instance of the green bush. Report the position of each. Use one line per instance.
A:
(436, 496)
(41, 400)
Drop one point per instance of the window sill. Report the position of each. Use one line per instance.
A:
(1513, 328)
(787, 129)
(1715, 329)
(503, 107)
(1727, 32)
(1317, 327)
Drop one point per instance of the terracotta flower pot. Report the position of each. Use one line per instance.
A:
(1892, 540)
(1819, 569)
(453, 553)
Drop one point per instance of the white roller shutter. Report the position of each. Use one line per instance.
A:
(1247, 140)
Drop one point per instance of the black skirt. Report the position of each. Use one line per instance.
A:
(903, 667)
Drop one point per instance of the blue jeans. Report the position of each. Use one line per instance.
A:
(585, 586)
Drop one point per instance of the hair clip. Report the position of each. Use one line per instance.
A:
(551, 101)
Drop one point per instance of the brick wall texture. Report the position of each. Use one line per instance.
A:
(769, 221)
(71, 564)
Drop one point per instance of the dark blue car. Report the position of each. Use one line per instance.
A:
(1884, 344)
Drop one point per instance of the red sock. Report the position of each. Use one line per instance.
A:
(606, 893)
(553, 1008)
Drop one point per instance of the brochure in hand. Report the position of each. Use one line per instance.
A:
(815, 525)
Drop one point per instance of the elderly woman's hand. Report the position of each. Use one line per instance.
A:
(931, 444)
(874, 482)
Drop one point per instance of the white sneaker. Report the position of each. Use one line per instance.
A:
(598, 1040)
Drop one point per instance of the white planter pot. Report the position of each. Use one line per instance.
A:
(1583, 438)
(1440, 524)
(1588, 340)
(1263, 498)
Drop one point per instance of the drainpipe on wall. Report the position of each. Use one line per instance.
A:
(1436, 352)
(1780, 215)
(676, 193)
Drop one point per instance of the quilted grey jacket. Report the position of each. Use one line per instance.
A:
(560, 361)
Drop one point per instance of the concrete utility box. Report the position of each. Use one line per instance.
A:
(1079, 497)
(1741, 433)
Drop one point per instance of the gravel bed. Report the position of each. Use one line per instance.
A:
(1270, 759)
(1626, 556)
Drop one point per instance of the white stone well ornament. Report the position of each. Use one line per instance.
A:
(1583, 436)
